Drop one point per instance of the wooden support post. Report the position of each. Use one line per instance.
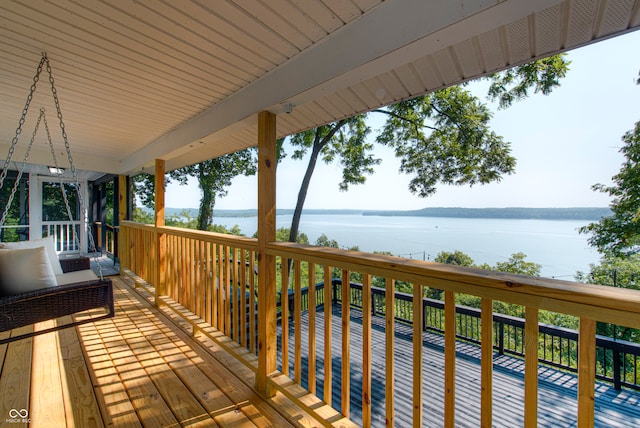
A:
(389, 352)
(586, 373)
(449, 359)
(531, 368)
(161, 248)
(486, 400)
(123, 209)
(418, 319)
(266, 263)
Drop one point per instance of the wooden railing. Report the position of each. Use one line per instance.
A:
(196, 264)
(200, 270)
(66, 235)
(106, 238)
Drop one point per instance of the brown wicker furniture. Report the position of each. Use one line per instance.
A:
(30, 307)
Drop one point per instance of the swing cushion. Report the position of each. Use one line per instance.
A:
(25, 269)
(76, 277)
(47, 243)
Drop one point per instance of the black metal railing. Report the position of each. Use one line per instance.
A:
(618, 361)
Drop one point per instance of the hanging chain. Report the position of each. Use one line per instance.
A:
(25, 110)
(55, 164)
(45, 61)
(74, 173)
(21, 170)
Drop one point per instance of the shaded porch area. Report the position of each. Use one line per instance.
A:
(136, 369)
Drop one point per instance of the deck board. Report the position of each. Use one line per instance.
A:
(46, 382)
(16, 377)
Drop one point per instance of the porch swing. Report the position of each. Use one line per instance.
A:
(36, 292)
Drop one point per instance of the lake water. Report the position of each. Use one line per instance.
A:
(554, 244)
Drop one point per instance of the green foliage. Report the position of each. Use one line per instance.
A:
(144, 188)
(515, 83)
(14, 217)
(457, 258)
(623, 272)
(615, 271)
(218, 228)
(142, 216)
(53, 205)
(181, 219)
(459, 149)
(324, 241)
(517, 264)
(619, 234)
(214, 177)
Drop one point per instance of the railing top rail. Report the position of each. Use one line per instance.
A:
(220, 238)
(136, 225)
(614, 305)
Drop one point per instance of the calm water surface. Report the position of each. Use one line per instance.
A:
(554, 244)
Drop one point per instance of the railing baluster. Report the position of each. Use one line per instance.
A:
(227, 287)
(366, 350)
(389, 352)
(531, 368)
(235, 290)
(243, 297)
(312, 328)
(449, 358)
(221, 287)
(586, 372)
(346, 339)
(214, 255)
(417, 354)
(328, 314)
(297, 323)
(252, 303)
(284, 313)
(486, 362)
(208, 303)
(199, 279)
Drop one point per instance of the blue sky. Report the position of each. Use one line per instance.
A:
(564, 143)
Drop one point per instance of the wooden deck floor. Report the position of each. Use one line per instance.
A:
(136, 369)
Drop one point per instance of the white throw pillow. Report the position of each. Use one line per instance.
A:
(25, 269)
(47, 243)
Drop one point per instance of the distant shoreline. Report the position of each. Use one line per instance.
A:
(575, 213)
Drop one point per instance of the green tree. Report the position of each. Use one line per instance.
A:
(18, 212)
(442, 137)
(324, 241)
(518, 264)
(214, 176)
(141, 216)
(615, 271)
(619, 234)
(457, 258)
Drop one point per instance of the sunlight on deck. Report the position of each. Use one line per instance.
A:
(132, 370)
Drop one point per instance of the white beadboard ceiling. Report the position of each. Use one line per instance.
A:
(183, 81)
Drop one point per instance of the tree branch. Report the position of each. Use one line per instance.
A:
(405, 119)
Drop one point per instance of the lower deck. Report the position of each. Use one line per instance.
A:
(136, 369)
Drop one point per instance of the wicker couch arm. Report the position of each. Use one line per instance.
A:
(74, 263)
